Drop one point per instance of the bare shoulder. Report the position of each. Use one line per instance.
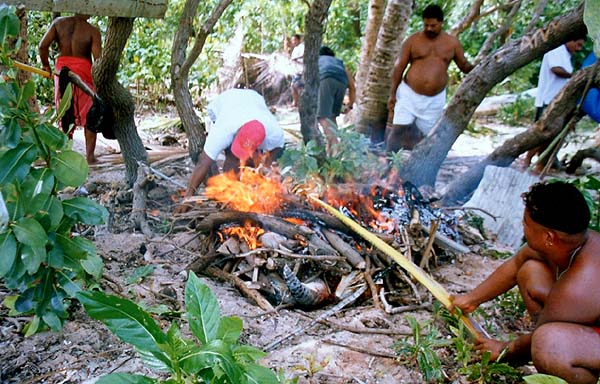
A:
(527, 253)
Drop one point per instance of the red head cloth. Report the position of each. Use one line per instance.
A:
(248, 138)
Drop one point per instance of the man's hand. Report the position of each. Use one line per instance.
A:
(495, 347)
(463, 302)
(183, 208)
(391, 103)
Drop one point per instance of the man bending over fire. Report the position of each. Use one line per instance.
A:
(242, 126)
(557, 274)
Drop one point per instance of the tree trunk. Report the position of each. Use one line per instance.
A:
(113, 8)
(553, 121)
(471, 16)
(180, 70)
(372, 107)
(374, 20)
(424, 163)
(22, 54)
(313, 24)
(113, 93)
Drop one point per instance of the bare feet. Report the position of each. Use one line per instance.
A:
(91, 160)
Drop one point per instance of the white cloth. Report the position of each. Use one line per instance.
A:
(234, 108)
(423, 110)
(549, 84)
(298, 52)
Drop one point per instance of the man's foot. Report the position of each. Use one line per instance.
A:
(91, 160)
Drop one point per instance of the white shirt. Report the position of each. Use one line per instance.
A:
(549, 85)
(234, 108)
(298, 52)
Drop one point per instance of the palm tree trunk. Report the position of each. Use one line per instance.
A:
(372, 107)
(374, 20)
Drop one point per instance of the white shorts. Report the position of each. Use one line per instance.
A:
(423, 110)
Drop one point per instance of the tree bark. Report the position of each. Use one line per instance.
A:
(422, 166)
(372, 107)
(113, 93)
(470, 17)
(374, 20)
(501, 30)
(313, 24)
(577, 160)
(180, 70)
(553, 121)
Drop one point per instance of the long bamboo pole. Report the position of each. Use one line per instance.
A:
(422, 277)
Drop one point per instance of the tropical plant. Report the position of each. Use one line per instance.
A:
(42, 259)
(218, 357)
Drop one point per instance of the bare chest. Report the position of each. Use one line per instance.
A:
(432, 50)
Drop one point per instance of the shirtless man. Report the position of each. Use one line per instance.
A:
(557, 274)
(420, 98)
(77, 42)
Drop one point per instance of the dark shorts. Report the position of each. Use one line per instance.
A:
(331, 97)
(297, 80)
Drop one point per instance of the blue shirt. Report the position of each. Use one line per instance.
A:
(333, 67)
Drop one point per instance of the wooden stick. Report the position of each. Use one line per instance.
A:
(428, 247)
(346, 250)
(239, 284)
(433, 286)
(29, 68)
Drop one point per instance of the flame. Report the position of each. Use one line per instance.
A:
(252, 192)
(248, 233)
(294, 220)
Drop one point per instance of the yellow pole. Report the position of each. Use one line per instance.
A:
(422, 277)
(31, 69)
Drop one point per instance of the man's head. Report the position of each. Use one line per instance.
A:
(326, 51)
(247, 139)
(575, 45)
(558, 206)
(296, 39)
(433, 18)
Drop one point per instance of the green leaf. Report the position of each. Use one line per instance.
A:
(8, 256)
(70, 168)
(139, 273)
(52, 320)
(38, 181)
(32, 327)
(128, 321)
(15, 163)
(28, 231)
(74, 247)
(53, 137)
(230, 329)
(257, 374)
(543, 379)
(93, 265)
(247, 353)
(125, 378)
(33, 257)
(27, 90)
(9, 24)
(65, 102)
(202, 309)
(85, 210)
(591, 17)
(10, 133)
(4, 217)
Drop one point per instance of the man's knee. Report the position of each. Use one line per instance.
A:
(402, 137)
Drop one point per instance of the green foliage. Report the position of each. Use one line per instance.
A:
(352, 160)
(520, 112)
(139, 274)
(420, 349)
(41, 260)
(591, 17)
(216, 356)
(543, 379)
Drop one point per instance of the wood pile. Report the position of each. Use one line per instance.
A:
(298, 255)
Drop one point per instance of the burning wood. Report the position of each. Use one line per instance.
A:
(290, 252)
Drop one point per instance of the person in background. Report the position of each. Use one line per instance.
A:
(557, 274)
(334, 79)
(297, 57)
(242, 127)
(555, 71)
(78, 42)
(418, 97)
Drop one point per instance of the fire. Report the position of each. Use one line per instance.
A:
(251, 192)
(248, 233)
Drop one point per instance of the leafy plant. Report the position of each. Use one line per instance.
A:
(518, 112)
(543, 379)
(421, 349)
(215, 357)
(41, 259)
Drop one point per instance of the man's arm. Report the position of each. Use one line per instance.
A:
(461, 61)
(198, 176)
(398, 72)
(44, 47)
(351, 89)
(561, 72)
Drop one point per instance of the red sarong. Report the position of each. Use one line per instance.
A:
(81, 101)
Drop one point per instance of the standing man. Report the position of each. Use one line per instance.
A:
(78, 41)
(241, 126)
(557, 274)
(334, 79)
(555, 71)
(419, 96)
(297, 58)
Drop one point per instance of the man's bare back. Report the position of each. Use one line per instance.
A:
(429, 60)
(75, 37)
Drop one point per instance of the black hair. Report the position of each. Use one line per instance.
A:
(297, 36)
(433, 11)
(559, 206)
(326, 51)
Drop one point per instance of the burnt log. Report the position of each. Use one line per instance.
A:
(577, 159)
